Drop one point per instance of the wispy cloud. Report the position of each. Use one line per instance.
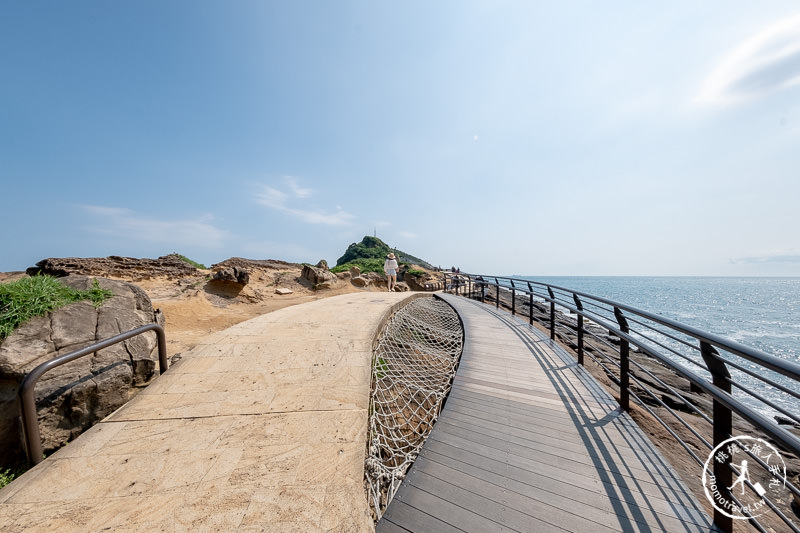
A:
(768, 62)
(791, 256)
(130, 225)
(283, 201)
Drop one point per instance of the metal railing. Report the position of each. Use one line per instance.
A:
(624, 341)
(27, 400)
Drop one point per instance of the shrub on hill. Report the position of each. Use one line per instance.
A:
(374, 248)
(365, 265)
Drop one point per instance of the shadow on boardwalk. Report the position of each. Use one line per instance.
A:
(528, 441)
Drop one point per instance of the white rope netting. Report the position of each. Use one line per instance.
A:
(413, 368)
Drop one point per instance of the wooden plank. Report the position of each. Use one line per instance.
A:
(401, 517)
(572, 515)
(490, 512)
(560, 495)
(528, 441)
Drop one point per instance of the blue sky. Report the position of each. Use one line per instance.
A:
(527, 138)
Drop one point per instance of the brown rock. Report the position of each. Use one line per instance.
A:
(71, 397)
(115, 266)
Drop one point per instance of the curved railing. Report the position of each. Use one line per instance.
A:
(741, 382)
(27, 400)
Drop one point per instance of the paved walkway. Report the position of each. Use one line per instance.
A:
(261, 428)
(528, 441)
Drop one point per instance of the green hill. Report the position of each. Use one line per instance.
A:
(369, 255)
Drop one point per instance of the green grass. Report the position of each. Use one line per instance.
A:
(189, 261)
(366, 265)
(26, 298)
(10, 474)
(414, 272)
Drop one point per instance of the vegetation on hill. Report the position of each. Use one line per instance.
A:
(26, 298)
(372, 251)
(189, 261)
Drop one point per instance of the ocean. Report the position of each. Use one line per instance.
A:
(763, 313)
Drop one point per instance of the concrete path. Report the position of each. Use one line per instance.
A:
(261, 428)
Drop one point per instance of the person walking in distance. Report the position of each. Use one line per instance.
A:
(390, 268)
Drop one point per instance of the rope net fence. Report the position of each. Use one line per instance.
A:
(412, 370)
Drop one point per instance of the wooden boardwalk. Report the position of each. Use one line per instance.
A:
(528, 441)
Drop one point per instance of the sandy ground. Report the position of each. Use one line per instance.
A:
(195, 308)
(193, 313)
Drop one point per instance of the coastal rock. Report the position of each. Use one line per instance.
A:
(401, 286)
(359, 282)
(283, 291)
(323, 264)
(318, 277)
(355, 271)
(171, 266)
(232, 275)
(72, 397)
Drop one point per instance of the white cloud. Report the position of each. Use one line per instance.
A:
(278, 200)
(272, 198)
(768, 62)
(127, 224)
(297, 190)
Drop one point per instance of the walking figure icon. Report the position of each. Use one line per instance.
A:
(743, 475)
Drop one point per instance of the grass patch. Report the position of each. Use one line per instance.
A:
(185, 259)
(414, 272)
(366, 265)
(10, 474)
(26, 298)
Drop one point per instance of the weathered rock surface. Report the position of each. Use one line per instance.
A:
(171, 266)
(70, 398)
(249, 264)
(232, 275)
(320, 278)
(422, 282)
(359, 281)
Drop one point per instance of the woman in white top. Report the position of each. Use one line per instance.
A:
(390, 268)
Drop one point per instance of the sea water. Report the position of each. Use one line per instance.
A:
(762, 313)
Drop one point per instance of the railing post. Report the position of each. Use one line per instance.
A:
(497, 294)
(579, 305)
(513, 298)
(530, 304)
(723, 426)
(469, 288)
(27, 398)
(624, 363)
(552, 313)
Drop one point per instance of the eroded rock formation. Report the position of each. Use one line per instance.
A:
(72, 397)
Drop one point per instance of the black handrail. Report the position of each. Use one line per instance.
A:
(632, 326)
(27, 400)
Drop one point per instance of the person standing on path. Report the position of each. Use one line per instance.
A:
(390, 268)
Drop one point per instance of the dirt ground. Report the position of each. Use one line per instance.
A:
(194, 312)
(194, 306)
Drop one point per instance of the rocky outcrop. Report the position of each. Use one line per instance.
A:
(171, 266)
(421, 281)
(320, 278)
(249, 264)
(70, 398)
(232, 275)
